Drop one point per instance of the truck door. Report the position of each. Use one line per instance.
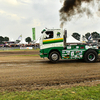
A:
(48, 39)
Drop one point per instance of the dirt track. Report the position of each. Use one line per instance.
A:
(31, 72)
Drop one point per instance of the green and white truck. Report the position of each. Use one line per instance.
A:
(54, 46)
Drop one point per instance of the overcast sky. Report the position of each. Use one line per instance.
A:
(20, 16)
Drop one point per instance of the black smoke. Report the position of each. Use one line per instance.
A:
(74, 7)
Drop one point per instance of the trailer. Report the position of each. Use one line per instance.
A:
(54, 46)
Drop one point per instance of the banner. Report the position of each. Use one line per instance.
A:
(33, 31)
(26, 47)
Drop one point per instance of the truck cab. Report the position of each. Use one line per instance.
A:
(53, 45)
(51, 38)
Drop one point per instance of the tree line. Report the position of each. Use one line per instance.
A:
(2, 39)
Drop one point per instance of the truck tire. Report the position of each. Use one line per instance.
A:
(54, 56)
(90, 56)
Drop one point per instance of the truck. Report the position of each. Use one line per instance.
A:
(54, 46)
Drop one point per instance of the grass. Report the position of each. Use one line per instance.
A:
(25, 50)
(75, 93)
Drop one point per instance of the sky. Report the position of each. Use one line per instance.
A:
(20, 16)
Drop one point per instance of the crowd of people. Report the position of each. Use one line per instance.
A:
(20, 45)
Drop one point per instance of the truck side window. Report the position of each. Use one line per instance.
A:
(49, 34)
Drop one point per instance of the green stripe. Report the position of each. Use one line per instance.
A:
(52, 41)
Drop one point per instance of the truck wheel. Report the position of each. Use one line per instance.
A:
(90, 56)
(54, 56)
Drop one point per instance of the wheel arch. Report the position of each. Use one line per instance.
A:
(54, 50)
(90, 50)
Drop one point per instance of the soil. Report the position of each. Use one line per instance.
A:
(20, 72)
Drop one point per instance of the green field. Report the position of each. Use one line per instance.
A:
(75, 93)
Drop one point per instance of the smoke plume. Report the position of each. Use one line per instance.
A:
(74, 7)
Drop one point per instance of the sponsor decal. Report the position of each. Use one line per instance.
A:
(75, 56)
(81, 56)
(77, 47)
(69, 47)
(67, 56)
(78, 56)
(72, 54)
(68, 52)
(58, 34)
(80, 52)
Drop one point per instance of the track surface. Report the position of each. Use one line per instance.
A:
(18, 71)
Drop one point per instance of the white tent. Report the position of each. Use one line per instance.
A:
(23, 42)
(12, 39)
(37, 41)
(71, 39)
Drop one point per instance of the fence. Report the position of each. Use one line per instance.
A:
(13, 48)
(9, 48)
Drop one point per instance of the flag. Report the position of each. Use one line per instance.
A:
(20, 37)
(89, 37)
(33, 32)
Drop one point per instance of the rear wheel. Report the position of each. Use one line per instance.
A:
(90, 56)
(54, 56)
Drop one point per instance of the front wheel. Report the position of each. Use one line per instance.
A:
(90, 56)
(54, 56)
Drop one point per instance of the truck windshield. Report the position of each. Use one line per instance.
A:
(49, 34)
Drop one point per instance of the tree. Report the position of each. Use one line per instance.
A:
(17, 41)
(95, 35)
(28, 39)
(87, 35)
(6, 38)
(1, 39)
(76, 36)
